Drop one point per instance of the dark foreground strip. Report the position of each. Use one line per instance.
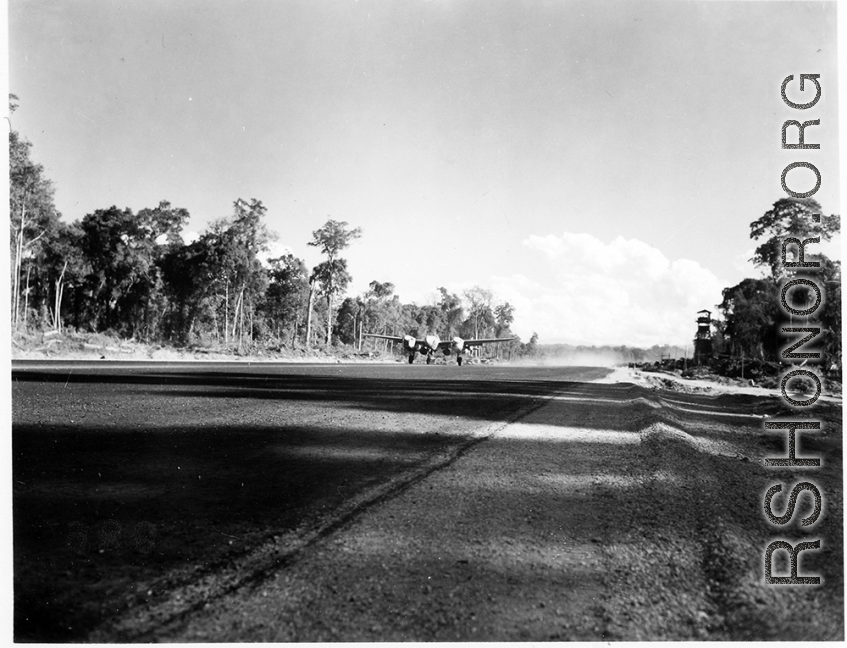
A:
(143, 623)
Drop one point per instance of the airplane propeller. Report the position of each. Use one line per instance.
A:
(431, 343)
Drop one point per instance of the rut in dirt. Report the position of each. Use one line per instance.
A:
(611, 513)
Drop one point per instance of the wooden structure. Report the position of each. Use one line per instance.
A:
(703, 338)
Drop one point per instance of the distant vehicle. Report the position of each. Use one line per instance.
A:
(431, 343)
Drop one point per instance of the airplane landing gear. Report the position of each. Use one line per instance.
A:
(429, 358)
(411, 358)
(459, 360)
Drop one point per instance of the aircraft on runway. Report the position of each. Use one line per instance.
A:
(431, 343)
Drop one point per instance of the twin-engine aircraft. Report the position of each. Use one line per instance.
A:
(431, 343)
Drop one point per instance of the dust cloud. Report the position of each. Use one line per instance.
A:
(576, 359)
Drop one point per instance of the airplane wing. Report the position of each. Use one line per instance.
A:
(384, 337)
(487, 341)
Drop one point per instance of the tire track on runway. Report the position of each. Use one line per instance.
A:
(143, 623)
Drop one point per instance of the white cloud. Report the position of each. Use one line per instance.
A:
(621, 292)
(189, 236)
(832, 248)
(744, 266)
(275, 250)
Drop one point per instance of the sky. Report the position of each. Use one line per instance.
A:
(595, 164)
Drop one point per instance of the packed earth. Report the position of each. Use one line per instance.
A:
(270, 502)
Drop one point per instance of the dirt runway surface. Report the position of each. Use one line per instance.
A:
(293, 503)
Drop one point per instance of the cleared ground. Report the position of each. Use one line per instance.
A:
(221, 502)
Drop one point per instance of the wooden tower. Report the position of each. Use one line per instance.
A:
(703, 338)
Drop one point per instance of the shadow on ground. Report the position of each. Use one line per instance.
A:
(108, 516)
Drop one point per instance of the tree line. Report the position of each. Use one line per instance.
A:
(133, 275)
(752, 317)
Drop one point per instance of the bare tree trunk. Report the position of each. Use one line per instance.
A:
(215, 321)
(60, 288)
(250, 328)
(19, 253)
(231, 334)
(226, 315)
(329, 319)
(19, 249)
(296, 327)
(309, 314)
(16, 282)
(239, 306)
(355, 326)
(241, 331)
(58, 310)
(26, 296)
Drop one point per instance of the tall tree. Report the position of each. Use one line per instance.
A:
(235, 244)
(479, 307)
(190, 280)
(310, 306)
(347, 320)
(504, 315)
(752, 316)
(380, 291)
(286, 295)
(115, 250)
(249, 236)
(332, 279)
(376, 312)
(124, 252)
(799, 219)
(32, 213)
(61, 265)
(530, 348)
(162, 227)
(332, 274)
(789, 217)
(453, 313)
(217, 282)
